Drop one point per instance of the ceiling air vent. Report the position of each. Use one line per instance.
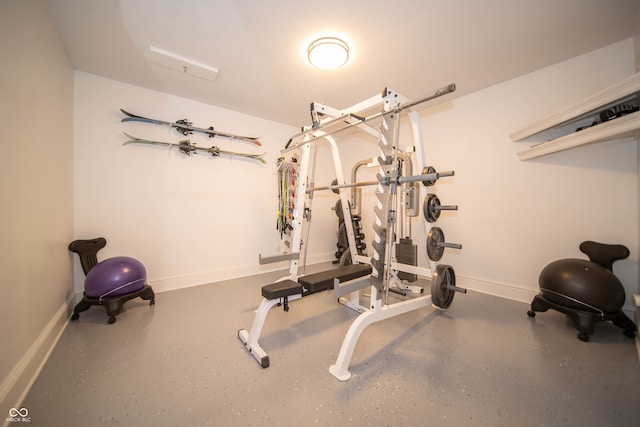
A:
(182, 64)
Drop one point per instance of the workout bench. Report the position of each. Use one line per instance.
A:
(349, 278)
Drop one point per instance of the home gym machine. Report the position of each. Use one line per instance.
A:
(380, 271)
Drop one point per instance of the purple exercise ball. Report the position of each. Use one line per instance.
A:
(114, 277)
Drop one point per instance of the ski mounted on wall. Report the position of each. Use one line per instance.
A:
(186, 128)
(186, 147)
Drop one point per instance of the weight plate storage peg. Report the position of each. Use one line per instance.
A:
(432, 208)
(436, 244)
(443, 285)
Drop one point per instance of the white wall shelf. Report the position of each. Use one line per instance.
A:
(558, 131)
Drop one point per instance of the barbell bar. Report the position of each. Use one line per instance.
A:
(337, 187)
(431, 170)
(425, 177)
(387, 181)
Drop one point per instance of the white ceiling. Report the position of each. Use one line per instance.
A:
(412, 46)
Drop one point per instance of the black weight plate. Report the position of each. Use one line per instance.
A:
(345, 259)
(335, 190)
(430, 208)
(435, 236)
(443, 277)
(426, 170)
(338, 209)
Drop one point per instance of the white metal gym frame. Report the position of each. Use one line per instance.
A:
(328, 121)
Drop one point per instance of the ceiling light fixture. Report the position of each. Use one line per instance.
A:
(328, 53)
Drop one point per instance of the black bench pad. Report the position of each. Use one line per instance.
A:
(317, 282)
(281, 289)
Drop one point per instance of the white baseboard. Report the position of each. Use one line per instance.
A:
(503, 290)
(509, 291)
(16, 385)
(218, 275)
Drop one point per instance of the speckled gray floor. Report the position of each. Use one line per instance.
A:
(482, 363)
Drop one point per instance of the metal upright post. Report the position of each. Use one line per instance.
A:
(298, 211)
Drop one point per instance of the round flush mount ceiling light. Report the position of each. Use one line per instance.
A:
(328, 53)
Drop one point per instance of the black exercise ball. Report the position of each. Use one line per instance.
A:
(582, 285)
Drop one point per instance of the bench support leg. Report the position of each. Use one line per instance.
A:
(340, 369)
(250, 339)
(352, 287)
(353, 302)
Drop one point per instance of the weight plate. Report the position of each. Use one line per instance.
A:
(441, 293)
(338, 209)
(343, 240)
(430, 208)
(435, 236)
(335, 190)
(426, 170)
(345, 259)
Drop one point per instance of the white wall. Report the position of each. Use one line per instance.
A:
(189, 220)
(36, 181)
(636, 46)
(516, 216)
